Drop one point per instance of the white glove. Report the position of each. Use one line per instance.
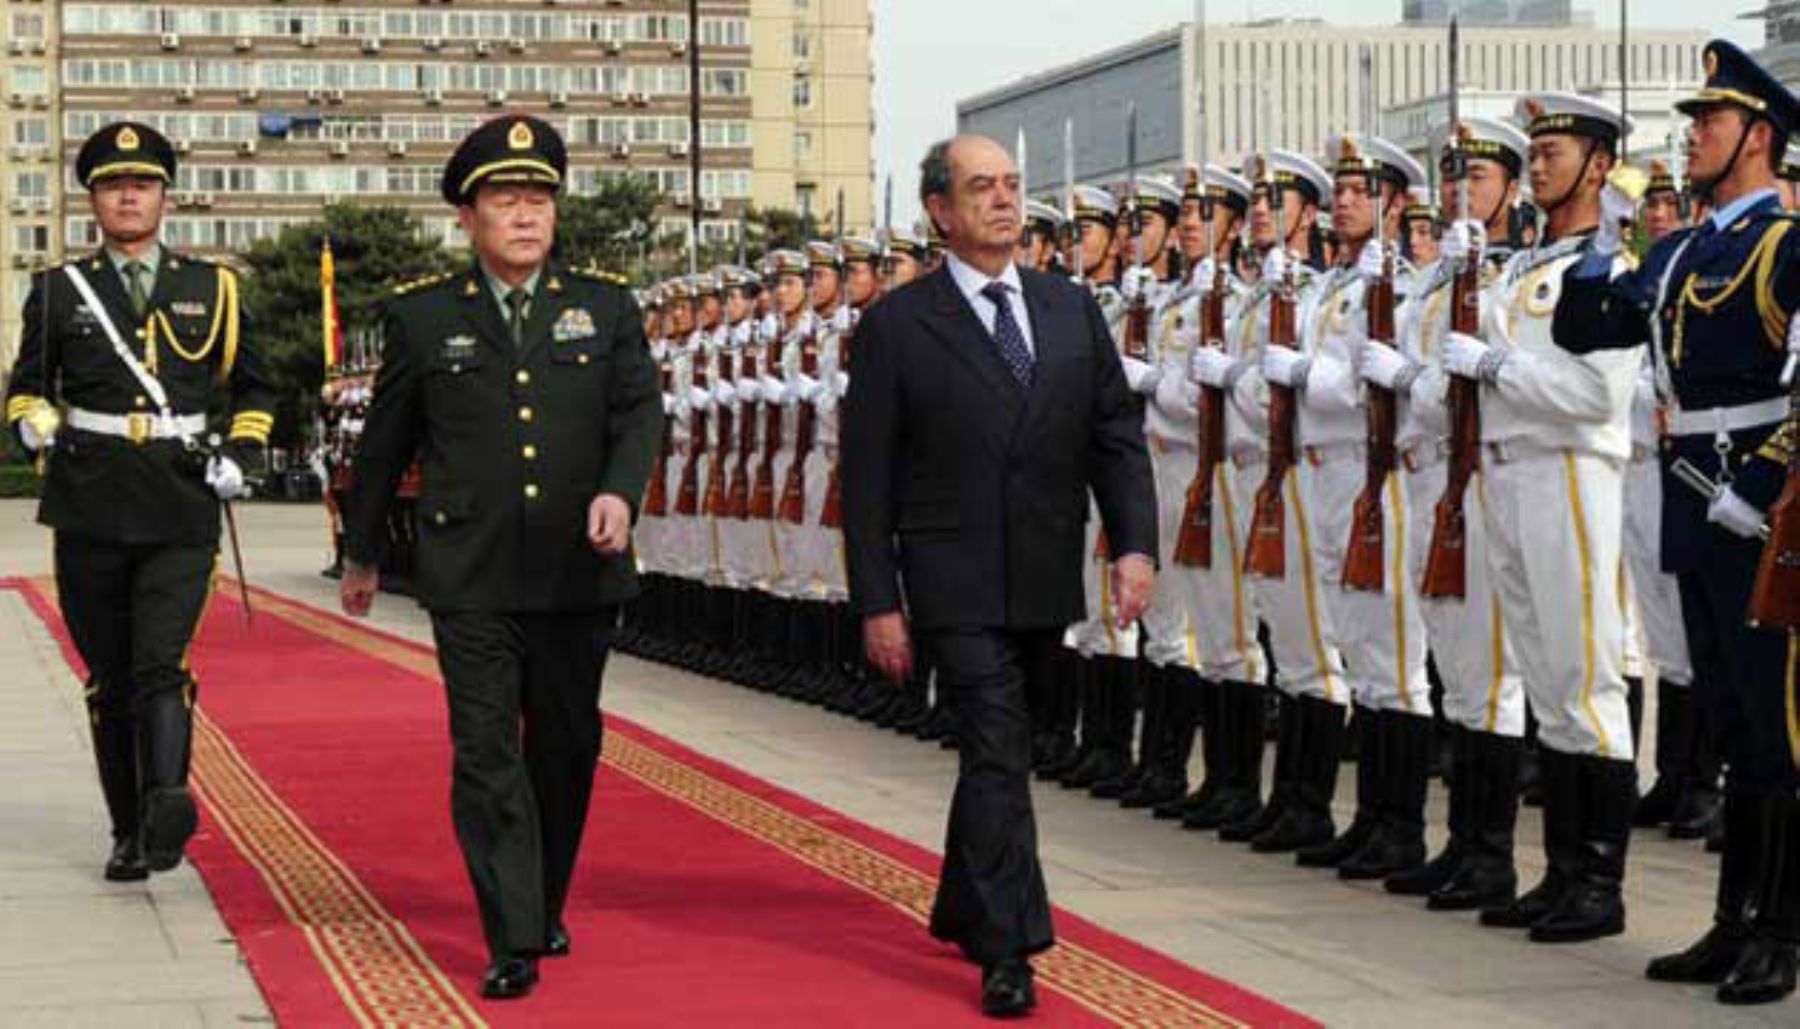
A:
(1465, 238)
(1136, 281)
(1141, 375)
(668, 404)
(1734, 514)
(749, 390)
(840, 381)
(1793, 352)
(1372, 261)
(1285, 366)
(769, 327)
(808, 388)
(1615, 210)
(1211, 366)
(225, 478)
(1201, 279)
(36, 443)
(1385, 366)
(1275, 265)
(790, 393)
(724, 393)
(698, 398)
(1471, 358)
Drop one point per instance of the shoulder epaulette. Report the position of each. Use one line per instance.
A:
(600, 275)
(418, 284)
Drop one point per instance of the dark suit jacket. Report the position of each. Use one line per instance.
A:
(513, 443)
(965, 492)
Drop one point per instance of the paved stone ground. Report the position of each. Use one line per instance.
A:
(77, 952)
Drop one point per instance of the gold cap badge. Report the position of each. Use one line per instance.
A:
(520, 137)
(127, 139)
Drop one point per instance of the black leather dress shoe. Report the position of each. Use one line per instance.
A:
(126, 865)
(170, 819)
(557, 946)
(1006, 989)
(509, 978)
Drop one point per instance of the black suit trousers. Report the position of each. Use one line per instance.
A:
(524, 699)
(991, 898)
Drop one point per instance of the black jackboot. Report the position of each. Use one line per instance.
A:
(1487, 877)
(1257, 820)
(1209, 716)
(1562, 843)
(1428, 877)
(115, 755)
(1711, 958)
(164, 735)
(1765, 971)
(1593, 905)
(1306, 822)
(1398, 843)
(1165, 780)
(1366, 727)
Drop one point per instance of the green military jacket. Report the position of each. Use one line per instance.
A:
(513, 443)
(194, 337)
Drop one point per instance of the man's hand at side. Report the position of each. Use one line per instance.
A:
(888, 645)
(609, 524)
(1134, 583)
(356, 590)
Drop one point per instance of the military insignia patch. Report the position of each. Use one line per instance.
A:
(188, 308)
(575, 323)
(459, 344)
(520, 137)
(127, 139)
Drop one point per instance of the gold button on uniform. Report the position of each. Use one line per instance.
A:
(440, 518)
(524, 414)
(530, 452)
(531, 491)
(523, 377)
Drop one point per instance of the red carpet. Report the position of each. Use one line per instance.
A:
(704, 897)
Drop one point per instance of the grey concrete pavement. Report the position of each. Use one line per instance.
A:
(74, 951)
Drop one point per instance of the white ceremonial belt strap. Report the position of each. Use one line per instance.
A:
(138, 427)
(1715, 421)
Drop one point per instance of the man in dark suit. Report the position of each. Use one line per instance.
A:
(527, 392)
(985, 402)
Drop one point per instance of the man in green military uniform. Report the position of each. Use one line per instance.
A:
(122, 354)
(528, 394)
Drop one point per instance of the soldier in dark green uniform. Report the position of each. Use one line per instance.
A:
(122, 354)
(527, 392)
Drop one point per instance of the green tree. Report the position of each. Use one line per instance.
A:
(374, 248)
(779, 228)
(612, 228)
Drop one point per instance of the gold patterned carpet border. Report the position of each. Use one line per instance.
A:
(1102, 986)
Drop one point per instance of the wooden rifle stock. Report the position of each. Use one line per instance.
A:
(656, 494)
(831, 513)
(687, 495)
(793, 491)
(1775, 597)
(1446, 563)
(714, 506)
(762, 492)
(1266, 553)
(1363, 555)
(737, 493)
(1193, 546)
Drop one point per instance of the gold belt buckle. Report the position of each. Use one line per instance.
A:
(139, 427)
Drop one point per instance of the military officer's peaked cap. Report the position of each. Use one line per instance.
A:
(1487, 138)
(703, 284)
(1734, 77)
(511, 148)
(1568, 114)
(733, 276)
(125, 148)
(1043, 217)
(1372, 155)
(677, 290)
(1662, 178)
(820, 254)
(785, 262)
(1155, 193)
(1419, 205)
(906, 239)
(1094, 204)
(1222, 186)
(1291, 170)
(860, 248)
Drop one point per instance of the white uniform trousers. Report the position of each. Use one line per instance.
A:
(803, 549)
(1380, 634)
(1554, 529)
(1307, 662)
(1202, 618)
(1482, 689)
(1658, 600)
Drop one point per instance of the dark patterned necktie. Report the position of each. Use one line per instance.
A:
(1007, 337)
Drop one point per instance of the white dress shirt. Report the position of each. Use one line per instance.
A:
(972, 282)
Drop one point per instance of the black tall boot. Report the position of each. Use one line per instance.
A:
(1255, 822)
(1165, 782)
(164, 738)
(1428, 877)
(1634, 711)
(1241, 795)
(1561, 784)
(1594, 904)
(1696, 809)
(1054, 742)
(1487, 877)
(115, 755)
(1398, 843)
(1674, 751)
(1711, 958)
(1366, 726)
(1765, 971)
(1306, 822)
(1531, 779)
(1142, 690)
(1209, 716)
(1111, 725)
(1075, 707)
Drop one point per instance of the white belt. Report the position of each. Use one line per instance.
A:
(1506, 451)
(138, 427)
(1326, 453)
(1723, 421)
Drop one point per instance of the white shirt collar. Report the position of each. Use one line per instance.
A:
(972, 281)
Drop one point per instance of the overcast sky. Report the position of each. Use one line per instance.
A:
(931, 53)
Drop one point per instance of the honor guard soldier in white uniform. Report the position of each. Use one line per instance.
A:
(1555, 430)
(1716, 301)
(1040, 244)
(907, 253)
(1288, 582)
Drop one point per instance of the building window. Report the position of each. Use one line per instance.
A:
(31, 239)
(31, 132)
(804, 196)
(802, 91)
(802, 46)
(803, 144)
(31, 185)
(28, 26)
